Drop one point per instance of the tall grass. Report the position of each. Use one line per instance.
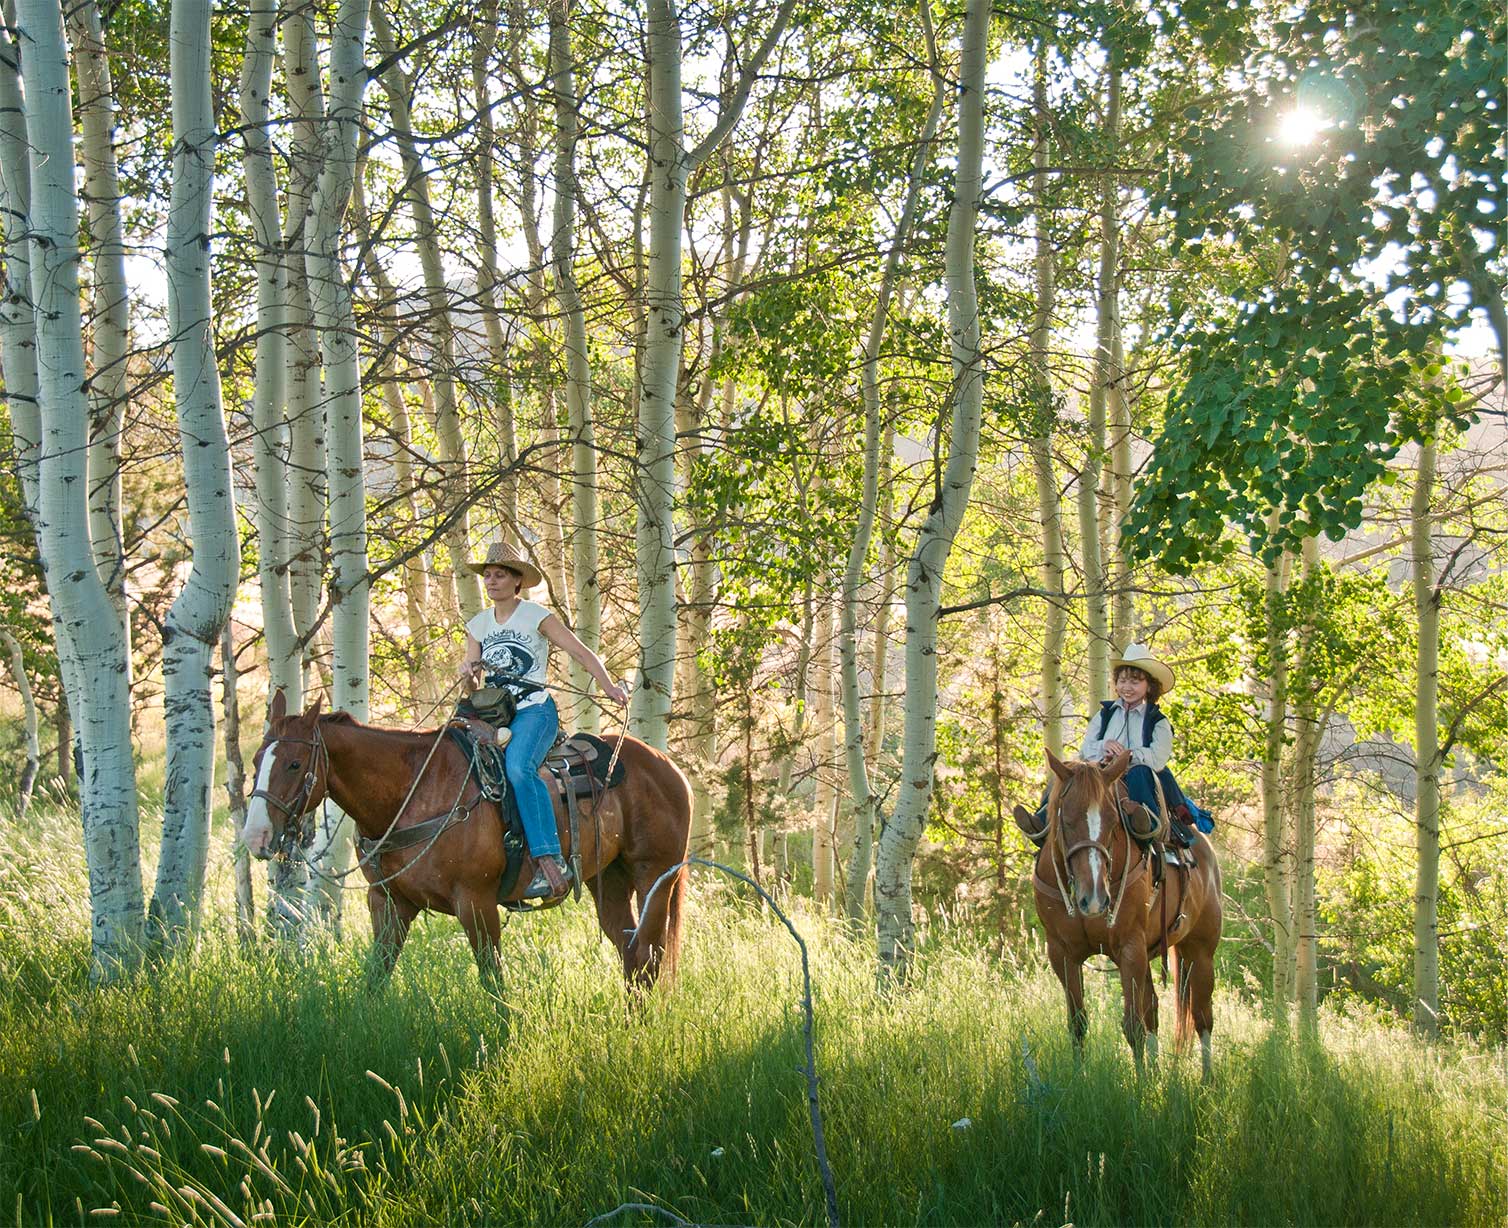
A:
(245, 1084)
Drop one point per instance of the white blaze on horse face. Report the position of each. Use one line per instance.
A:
(1095, 822)
(257, 834)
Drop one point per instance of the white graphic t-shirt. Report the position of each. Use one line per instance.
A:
(515, 647)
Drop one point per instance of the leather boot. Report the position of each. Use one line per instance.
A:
(551, 879)
(1033, 826)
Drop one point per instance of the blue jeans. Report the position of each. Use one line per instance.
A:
(534, 730)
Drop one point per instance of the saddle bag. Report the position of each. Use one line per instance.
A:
(494, 704)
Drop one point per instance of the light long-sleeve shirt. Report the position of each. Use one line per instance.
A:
(1125, 727)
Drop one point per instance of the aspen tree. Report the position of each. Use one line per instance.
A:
(269, 427)
(1427, 758)
(1044, 408)
(1105, 375)
(330, 296)
(1306, 772)
(307, 493)
(484, 40)
(91, 645)
(453, 451)
(859, 786)
(109, 313)
(1277, 852)
(893, 864)
(670, 164)
(586, 592)
(198, 614)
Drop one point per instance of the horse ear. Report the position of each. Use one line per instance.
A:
(314, 708)
(1116, 768)
(279, 707)
(1060, 769)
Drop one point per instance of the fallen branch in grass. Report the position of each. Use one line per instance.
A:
(829, 1189)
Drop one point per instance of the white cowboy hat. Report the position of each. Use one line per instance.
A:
(1138, 656)
(500, 554)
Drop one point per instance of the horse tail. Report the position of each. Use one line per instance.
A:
(1183, 1010)
(674, 908)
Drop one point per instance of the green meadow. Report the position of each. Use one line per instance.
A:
(244, 1084)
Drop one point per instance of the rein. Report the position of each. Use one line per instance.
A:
(1054, 837)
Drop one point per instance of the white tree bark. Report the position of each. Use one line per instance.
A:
(198, 615)
(33, 761)
(585, 590)
(96, 668)
(670, 164)
(306, 410)
(1049, 510)
(235, 783)
(1105, 376)
(1427, 758)
(330, 296)
(484, 35)
(18, 321)
(1277, 851)
(892, 886)
(270, 429)
(864, 798)
(453, 451)
(1306, 773)
(1123, 632)
(824, 723)
(110, 315)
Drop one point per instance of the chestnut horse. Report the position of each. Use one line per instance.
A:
(644, 825)
(1095, 892)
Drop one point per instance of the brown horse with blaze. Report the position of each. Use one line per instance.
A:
(639, 830)
(1098, 891)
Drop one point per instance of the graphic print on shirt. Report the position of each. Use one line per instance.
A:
(509, 652)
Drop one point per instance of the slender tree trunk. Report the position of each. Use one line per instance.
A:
(307, 495)
(235, 784)
(331, 298)
(864, 799)
(1306, 984)
(585, 588)
(453, 452)
(93, 647)
(824, 722)
(1123, 616)
(1105, 376)
(1049, 510)
(1427, 758)
(270, 429)
(199, 613)
(670, 165)
(655, 483)
(110, 315)
(892, 884)
(484, 41)
(1277, 850)
(33, 761)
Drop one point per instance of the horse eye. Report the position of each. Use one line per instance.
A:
(294, 766)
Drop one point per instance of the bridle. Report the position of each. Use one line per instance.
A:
(1055, 851)
(302, 807)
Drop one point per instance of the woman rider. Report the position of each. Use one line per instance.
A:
(512, 638)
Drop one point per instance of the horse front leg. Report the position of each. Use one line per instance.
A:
(1070, 973)
(1139, 994)
(391, 917)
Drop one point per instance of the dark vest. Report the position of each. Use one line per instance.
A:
(1149, 720)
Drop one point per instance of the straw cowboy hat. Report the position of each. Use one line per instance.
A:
(500, 554)
(1138, 656)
